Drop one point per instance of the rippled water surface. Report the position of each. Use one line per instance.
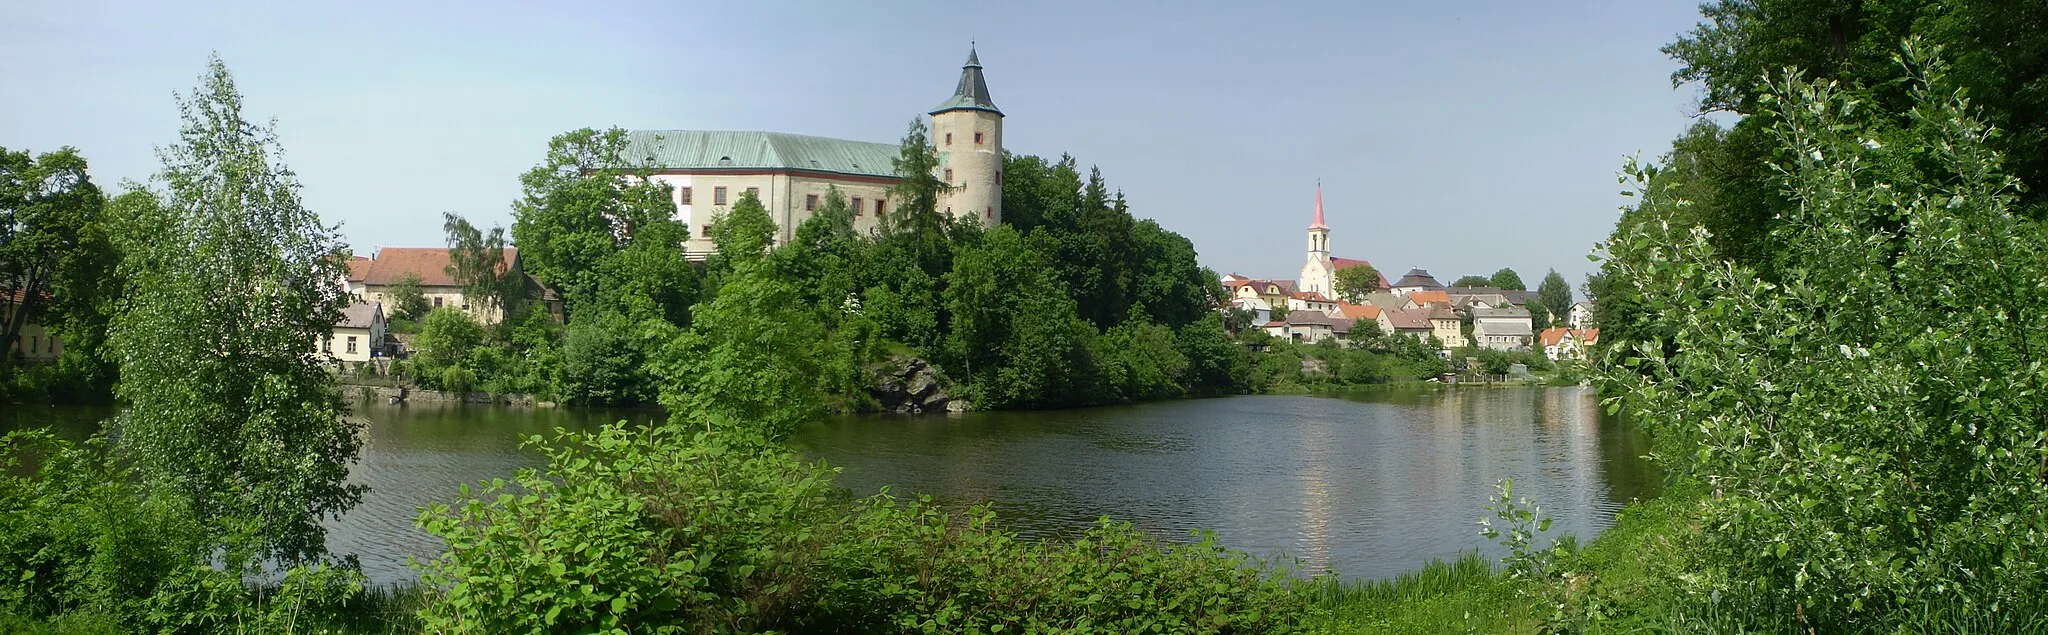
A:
(1368, 484)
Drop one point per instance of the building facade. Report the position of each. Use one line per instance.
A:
(372, 280)
(1319, 273)
(791, 174)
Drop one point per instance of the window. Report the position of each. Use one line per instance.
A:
(754, 192)
(858, 210)
(437, 302)
(977, 138)
(949, 176)
(34, 342)
(810, 202)
(707, 230)
(949, 138)
(989, 211)
(351, 344)
(880, 207)
(718, 195)
(685, 193)
(327, 345)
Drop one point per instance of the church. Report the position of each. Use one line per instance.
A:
(709, 169)
(1319, 274)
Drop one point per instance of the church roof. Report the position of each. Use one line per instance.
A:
(755, 150)
(1318, 224)
(1340, 264)
(972, 93)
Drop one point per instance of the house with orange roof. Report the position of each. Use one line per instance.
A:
(1561, 343)
(1445, 325)
(1313, 301)
(1425, 299)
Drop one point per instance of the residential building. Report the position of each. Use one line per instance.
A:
(1313, 301)
(1560, 343)
(1425, 299)
(373, 278)
(37, 343)
(1489, 297)
(1416, 280)
(359, 336)
(1501, 329)
(791, 174)
(1319, 273)
(1446, 326)
(1581, 316)
(1411, 322)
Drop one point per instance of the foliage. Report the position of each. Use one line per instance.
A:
(1356, 282)
(1506, 279)
(665, 530)
(586, 206)
(477, 261)
(1472, 282)
(1520, 522)
(447, 338)
(600, 363)
(1870, 421)
(656, 530)
(1555, 295)
(228, 407)
(84, 543)
(751, 360)
(1141, 361)
(57, 255)
(408, 302)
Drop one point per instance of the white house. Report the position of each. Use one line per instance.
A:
(359, 336)
(1581, 316)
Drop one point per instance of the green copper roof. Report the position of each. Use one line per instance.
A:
(752, 150)
(972, 93)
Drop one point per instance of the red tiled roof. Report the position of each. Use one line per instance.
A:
(1409, 318)
(358, 267)
(1589, 336)
(1340, 264)
(431, 263)
(1357, 312)
(1551, 336)
(1428, 297)
(1310, 296)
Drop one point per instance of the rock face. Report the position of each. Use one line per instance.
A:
(911, 386)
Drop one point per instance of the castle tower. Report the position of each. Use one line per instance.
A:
(968, 131)
(1317, 274)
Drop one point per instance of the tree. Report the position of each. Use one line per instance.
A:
(1506, 279)
(1555, 294)
(476, 260)
(48, 206)
(916, 218)
(1469, 282)
(582, 206)
(446, 338)
(228, 407)
(751, 360)
(1356, 282)
(408, 302)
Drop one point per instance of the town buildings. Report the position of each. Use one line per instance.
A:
(790, 173)
(372, 279)
(359, 336)
(37, 343)
(1561, 343)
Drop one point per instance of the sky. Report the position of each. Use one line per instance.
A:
(1458, 137)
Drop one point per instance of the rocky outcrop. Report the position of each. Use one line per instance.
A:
(910, 385)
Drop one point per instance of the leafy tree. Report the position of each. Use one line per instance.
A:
(227, 405)
(476, 260)
(751, 359)
(745, 233)
(600, 363)
(446, 338)
(825, 255)
(583, 205)
(1217, 364)
(1554, 294)
(1356, 282)
(408, 302)
(1140, 360)
(1472, 282)
(1506, 279)
(1860, 416)
(48, 210)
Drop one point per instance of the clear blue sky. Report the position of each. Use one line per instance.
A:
(1459, 137)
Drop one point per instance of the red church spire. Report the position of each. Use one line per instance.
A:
(1319, 208)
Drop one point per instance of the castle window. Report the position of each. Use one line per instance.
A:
(857, 209)
(989, 211)
(707, 230)
(977, 138)
(718, 195)
(685, 194)
(881, 207)
(949, 138)
(810, 202)
(949, 176)
(754, 191)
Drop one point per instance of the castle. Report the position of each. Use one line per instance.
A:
(708, 170)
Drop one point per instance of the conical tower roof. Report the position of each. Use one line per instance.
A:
(1319, 210)
(972, 93)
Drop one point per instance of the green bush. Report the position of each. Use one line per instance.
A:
(1870, 420)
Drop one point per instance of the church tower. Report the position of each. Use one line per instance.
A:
(968, 131)
(1317, 274)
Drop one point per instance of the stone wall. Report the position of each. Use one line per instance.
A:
(386, 394)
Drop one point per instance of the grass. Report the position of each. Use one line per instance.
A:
(1467, 595)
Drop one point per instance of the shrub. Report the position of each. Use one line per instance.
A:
(1870, 421)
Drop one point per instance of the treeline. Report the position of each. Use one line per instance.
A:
(1070, 301)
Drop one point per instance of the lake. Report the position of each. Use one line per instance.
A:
(1368, 484)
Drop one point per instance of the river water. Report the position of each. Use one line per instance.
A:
(1368, 484)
